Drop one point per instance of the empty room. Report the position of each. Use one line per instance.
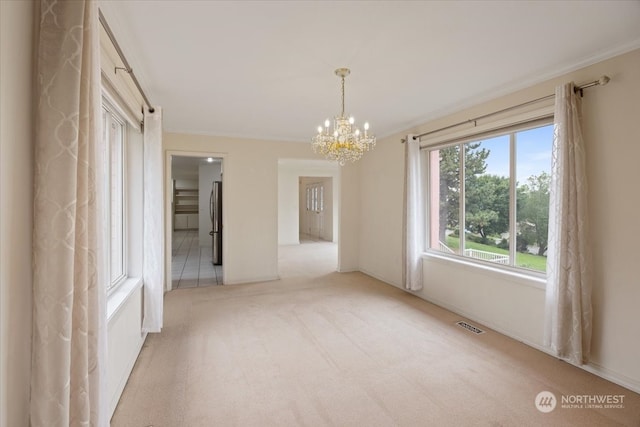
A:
(319, 213)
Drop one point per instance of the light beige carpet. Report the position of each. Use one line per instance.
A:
(342, 350)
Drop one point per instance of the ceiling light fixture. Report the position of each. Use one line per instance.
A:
(346, 142)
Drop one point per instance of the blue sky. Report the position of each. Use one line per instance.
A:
(533, 149)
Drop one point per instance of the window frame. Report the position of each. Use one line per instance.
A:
(315, 197)
(113, 114)
(504, 127)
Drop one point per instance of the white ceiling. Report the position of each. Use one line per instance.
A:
(264, 69)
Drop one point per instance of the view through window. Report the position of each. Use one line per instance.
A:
(484, 192)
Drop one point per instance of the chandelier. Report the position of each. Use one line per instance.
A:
(345, 142)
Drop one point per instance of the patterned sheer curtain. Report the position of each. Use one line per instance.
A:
(414, 216)
(568, 293)
(153, 259)
(69, 333)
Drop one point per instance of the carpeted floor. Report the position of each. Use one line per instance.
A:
(331, 349)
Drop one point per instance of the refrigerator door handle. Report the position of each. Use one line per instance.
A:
(211, 205)
(216, 215)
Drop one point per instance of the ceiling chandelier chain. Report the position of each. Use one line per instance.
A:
(346, 142)
(342, 113)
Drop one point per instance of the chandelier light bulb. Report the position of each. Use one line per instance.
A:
(319, 129)
(366, 125)
(327, 123)
(351, 120)
(357, 132)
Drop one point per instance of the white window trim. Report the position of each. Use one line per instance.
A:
(120, 294)
(498, 126)
(111, 96)
(518, 275)
(516, 117)
(112, 287)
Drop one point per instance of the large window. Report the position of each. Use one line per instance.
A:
(488, 198)
(113, 135)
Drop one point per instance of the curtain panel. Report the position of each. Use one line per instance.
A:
(69, 288)
(153, 258)
(414, 216)
(569, 278)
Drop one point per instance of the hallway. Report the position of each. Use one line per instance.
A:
(191, 265)
(311, 258)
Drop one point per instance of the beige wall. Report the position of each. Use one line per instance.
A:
(349, 217)
(514, 305)
(612, 135)
(124, 340)
(250, 251)
(16, 156)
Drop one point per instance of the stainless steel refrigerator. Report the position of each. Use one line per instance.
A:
(215, 211)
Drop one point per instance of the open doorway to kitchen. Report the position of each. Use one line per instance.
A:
(194, 220)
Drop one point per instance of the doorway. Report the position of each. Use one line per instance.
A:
(190, 229)
(308, 206)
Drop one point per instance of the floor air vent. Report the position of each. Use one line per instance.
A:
(469, 327)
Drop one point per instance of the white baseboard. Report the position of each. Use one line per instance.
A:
(484, 322)
(614, 377)
(593, 368)
(347, 270)
(251, 280)
(377, 277)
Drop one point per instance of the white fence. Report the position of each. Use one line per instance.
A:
(487, 256)
(474, 253)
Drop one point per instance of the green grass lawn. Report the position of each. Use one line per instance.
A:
(534, 262)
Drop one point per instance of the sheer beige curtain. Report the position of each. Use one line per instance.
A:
(414, 216)
(153, 260)
(69, 290)
(568, 294)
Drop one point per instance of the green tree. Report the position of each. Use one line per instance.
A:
(487, 204)
(533, 212)
(475, 164)
(481, 222)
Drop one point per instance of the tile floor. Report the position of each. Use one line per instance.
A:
(191, 265)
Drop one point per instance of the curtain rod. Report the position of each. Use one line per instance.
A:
(127, 68)
(601, 81)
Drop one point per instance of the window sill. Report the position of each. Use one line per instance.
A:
(534, 280)
(117, 299)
